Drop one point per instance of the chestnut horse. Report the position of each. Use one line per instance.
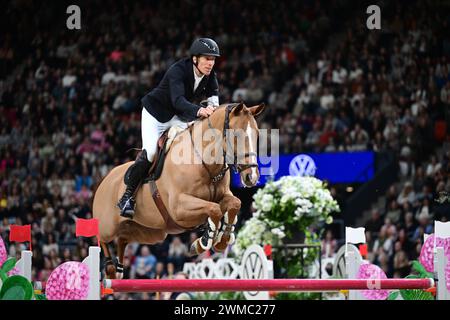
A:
(195, 193)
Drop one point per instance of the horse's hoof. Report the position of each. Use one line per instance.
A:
(223, 240)
(119, 275)
(221, 243)
(193, 250)
(226, 235)
(197, 248)
(110, 271)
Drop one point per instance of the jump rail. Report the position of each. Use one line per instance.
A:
(207, 285)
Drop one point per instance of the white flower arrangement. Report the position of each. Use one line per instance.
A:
(289, 204)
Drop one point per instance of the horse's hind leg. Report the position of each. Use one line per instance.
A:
(130, 231)
(110, 269)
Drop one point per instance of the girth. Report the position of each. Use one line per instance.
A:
(170, 223)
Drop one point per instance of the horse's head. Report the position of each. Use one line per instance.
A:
(245, 131)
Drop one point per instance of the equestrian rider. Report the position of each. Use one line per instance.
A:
(171, 104)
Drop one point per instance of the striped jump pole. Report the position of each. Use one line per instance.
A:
(207, 285)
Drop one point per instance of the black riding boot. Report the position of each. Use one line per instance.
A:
(133, 178)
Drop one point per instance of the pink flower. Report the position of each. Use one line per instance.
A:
(371, 271)
(4, 257)
(69, 281)
(3, 254)
(447, 274)
(426, 254)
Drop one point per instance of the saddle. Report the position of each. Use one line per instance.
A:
(163, 146)
(164, 143)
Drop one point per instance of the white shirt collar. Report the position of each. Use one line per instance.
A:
(197, 79)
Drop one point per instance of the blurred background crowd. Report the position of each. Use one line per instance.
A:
(70, 106)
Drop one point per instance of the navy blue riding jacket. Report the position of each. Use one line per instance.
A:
(175, 94)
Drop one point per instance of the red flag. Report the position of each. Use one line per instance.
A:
(20, 233)
(363, 250)
(268, 250)
(87, 228)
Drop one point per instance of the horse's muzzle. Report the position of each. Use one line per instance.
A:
(249, 177)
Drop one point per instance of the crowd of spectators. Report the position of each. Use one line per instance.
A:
(70, 106)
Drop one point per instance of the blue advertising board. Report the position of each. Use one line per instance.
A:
(335, 167)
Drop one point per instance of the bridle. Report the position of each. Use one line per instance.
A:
(227, 164)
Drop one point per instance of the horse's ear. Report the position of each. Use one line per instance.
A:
(238, 108)
(257, 110)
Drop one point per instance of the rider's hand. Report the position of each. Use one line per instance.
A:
(205, 112)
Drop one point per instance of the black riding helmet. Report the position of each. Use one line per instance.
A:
(204, 47)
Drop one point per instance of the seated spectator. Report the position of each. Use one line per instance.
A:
(49, 245)
(407, 194)
(329, 245)
(170, 271)
(66, 256)
(394, 212)
(401, 261)
(54, 258)
(48, 222)
(375, 222)
(177, 252)
(425, 226)
(160, 271)
(44, 273)
(145, 263)
(433, 167)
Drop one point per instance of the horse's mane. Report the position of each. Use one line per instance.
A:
(220, 107)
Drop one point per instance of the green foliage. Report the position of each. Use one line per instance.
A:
(7, 266)
(16, 288)
(219, 296)
(420, 269)
(298, 296)
(414, 294)
(40, 297)
(393, 295)
(290, 260)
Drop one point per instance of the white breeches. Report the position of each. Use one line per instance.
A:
(152, 129)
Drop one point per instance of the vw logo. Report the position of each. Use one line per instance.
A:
(255, 266)
(302, 165)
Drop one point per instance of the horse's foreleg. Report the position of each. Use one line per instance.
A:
(230, 206)
(190, 208)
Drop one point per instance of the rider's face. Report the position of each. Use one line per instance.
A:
(205, 64)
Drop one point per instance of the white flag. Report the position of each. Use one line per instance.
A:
(442, 229)
(355, 235)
